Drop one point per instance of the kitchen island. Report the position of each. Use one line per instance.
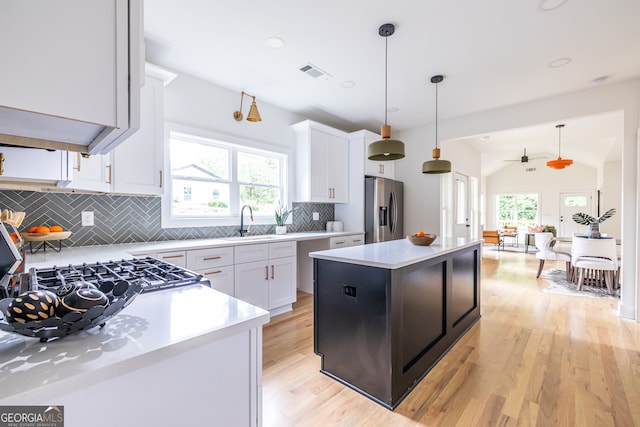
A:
(182, 356)
(385, 313)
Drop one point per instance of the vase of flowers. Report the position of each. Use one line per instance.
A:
(281, 214)
(593, 223)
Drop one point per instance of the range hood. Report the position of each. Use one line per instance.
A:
(74, 84)
(29, 129)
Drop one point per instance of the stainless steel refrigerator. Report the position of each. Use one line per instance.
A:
(383, 200)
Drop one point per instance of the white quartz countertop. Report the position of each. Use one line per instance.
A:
(154, 326)
(393, 254)
(91, 254)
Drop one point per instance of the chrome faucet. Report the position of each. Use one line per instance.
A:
(242, 229)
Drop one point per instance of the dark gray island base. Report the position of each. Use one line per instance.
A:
(380, 329)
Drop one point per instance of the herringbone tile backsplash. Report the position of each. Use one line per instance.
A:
(130, 219)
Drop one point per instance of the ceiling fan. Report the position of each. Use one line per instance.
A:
(525, 158)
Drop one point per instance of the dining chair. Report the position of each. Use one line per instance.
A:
(598, 256)
(493, 236)
(545, 252)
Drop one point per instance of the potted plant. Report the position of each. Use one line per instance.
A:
(281, 214)
(593, 223)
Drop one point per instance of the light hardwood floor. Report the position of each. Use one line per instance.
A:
(533, 359)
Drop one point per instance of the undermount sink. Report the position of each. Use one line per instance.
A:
(248, 238)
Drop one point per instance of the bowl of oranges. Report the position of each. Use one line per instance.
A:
(44, 232)
(421, 238)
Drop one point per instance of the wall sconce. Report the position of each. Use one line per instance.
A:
(253, 115)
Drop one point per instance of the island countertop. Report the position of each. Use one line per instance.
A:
(155, 326)
(393, 254)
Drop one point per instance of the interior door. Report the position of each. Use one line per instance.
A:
(572, 203)
(461, 206)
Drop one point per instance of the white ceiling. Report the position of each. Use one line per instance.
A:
(493, 54)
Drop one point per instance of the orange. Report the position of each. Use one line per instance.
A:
(43, 229)
(420, 233)
(55, 229)
(33, 229)
(13, 236)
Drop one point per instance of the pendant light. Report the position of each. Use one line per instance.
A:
(436, 165)
(385, 148)
(559, 163)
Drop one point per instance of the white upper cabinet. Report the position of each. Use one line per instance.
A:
(70, 77)
(92, 173)
(138, 162)
(322, 163)
(371, 167)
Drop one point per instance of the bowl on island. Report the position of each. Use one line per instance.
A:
(424, 240)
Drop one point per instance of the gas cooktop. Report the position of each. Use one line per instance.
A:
(152, 273)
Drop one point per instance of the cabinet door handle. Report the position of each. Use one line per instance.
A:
(266, 272)
(172, 256)
(213, 272)
(1, 163)
(341, 242)
(109, 179)
(160, 179)
(357, 241)
(381, 168)
(272, 272)
(209, 258)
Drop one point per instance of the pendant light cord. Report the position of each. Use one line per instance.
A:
(436, 115)
(386, 62)
(559, 132)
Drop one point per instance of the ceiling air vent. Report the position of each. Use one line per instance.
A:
(315, 72)
(530, 170)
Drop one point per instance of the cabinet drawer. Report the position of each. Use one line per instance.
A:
(250, 253)
(338, 242)
(198, 259)
(178, 258)
(282, 249)
(221, 278)
(356, 239)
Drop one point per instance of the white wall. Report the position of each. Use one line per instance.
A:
(611, 197)
(546, 182)
(192, 102)
(423, 192)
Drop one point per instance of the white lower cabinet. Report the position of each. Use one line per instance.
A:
(178, 258)
(345, 241)
(216, 265)
(265, 275)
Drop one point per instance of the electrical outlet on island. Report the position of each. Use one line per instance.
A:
(87, 218)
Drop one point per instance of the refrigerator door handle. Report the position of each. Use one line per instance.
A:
(393, 214)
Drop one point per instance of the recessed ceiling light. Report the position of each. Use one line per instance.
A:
(393, 110)
(485, 138)
(275, 42)
(547, 5)
(348, 84)
(560, 62)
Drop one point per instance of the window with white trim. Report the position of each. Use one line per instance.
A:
(210, 179)
(520, 210)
